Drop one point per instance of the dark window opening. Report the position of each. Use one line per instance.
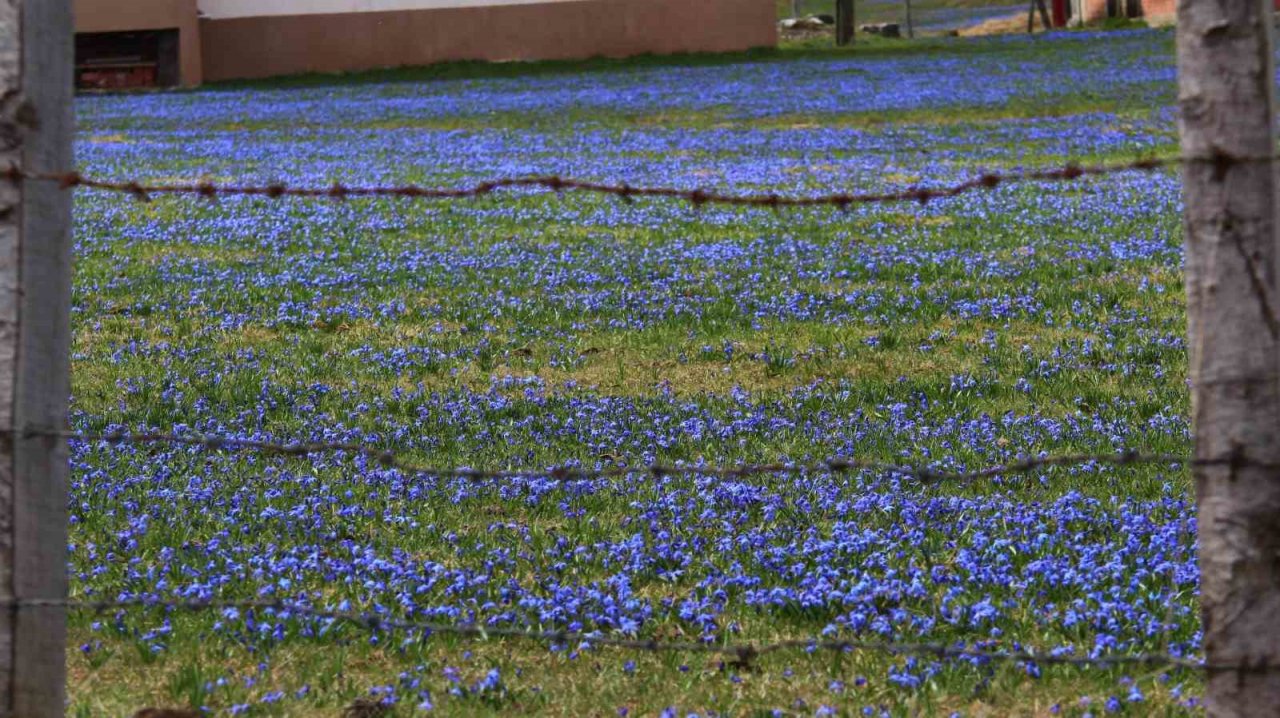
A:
(124, 60)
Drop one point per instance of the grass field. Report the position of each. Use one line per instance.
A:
(531, 329)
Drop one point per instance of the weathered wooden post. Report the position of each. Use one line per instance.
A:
(911, 28)
(35, 295)
(1227, 103)
(1038, 5)
(844, 22)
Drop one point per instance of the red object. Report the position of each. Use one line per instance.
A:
(116, 77)
(1060, 12)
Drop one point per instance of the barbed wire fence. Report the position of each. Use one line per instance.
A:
(741, 653)
(33, 465)
(565, 473)
(144, 190)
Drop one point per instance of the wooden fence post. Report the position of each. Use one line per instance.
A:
(844, 22)
(35, 296)
(1227, 104)
(1044, 16)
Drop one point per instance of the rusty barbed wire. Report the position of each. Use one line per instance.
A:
(742, 653)
(144, 191)
(835, 465)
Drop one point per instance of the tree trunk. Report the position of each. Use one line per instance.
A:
(1227, 102)
(35, 303)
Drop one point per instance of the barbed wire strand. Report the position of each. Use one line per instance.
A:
(145, 190)
(743, 653)
(391, 460)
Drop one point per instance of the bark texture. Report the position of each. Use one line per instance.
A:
(1227, 103)
(35, 296)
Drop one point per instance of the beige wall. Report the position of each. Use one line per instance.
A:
(264, 46)
(224, 9)
(221, 48)
(1155, 12)
(1159, 11)
(124, 15)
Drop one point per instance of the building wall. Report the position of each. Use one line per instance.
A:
(224, 9)
(126, 15)
(1156, 12)
(1160, 11)
(267, 45)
